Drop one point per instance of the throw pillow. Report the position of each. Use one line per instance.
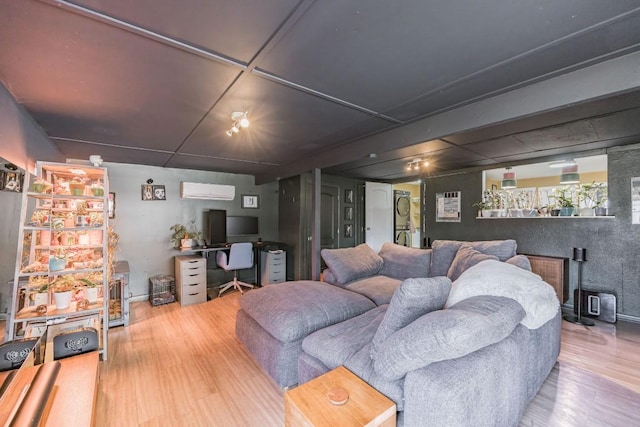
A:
(465, 258)
(349, 264)
(414, 298)
(401, 262)
(467, 326)
(444, 251)
(520, 261)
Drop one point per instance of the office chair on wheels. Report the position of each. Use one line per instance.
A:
(240, 257)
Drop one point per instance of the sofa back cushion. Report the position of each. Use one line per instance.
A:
(444, 251)
(401, 262)
(520, 261)
(448, 334)
(414, 298)
(349, 264)
(465, 258)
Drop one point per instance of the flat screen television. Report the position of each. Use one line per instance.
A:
(242, 225)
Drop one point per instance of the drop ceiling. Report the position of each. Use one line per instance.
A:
(356, 88)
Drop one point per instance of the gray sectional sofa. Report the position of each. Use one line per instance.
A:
(459, 334)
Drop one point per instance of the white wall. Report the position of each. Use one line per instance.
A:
(143, 226)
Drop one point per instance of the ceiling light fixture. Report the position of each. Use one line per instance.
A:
(570, 175)
(509, 180)
(416, 163)
(240, 120)
(562, 163)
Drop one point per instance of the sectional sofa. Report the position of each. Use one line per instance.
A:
(459, 334)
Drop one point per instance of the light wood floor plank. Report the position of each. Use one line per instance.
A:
(183, 366)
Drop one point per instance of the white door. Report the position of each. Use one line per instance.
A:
(378, 214)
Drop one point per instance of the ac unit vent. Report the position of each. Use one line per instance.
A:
(196, 190)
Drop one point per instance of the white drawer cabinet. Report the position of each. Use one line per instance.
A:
(191, 279)
(274, 267)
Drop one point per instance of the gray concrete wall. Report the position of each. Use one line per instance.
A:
(613, 244)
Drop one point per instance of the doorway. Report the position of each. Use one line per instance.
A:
(407, 214)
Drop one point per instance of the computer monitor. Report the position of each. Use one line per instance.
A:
(242, 225)
(215, 226)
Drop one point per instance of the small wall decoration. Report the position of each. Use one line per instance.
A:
(348, 230)
(635, 200)
(448, 206)
(348, 196)
(250, 201)
(147, 192)
(348, 213)
(159, 192)
(13, 181)
(111, 208)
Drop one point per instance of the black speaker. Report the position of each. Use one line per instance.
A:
(215, 226)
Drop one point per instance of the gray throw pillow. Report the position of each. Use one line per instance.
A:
(401, 262)
(444, 251)
(349, 264)
(520, 261)
(414, 298)
(467, 326)
(465, 258)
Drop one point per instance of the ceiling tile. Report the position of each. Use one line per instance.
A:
(237, 29)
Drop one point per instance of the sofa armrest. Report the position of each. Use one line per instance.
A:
(483, 388)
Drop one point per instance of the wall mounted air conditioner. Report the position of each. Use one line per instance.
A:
(197, 190)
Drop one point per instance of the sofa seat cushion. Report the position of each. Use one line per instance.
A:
(361, 364)
(402, 262)
(444, 251)
(334, 344)
(378, 289)
(414, 298)
(448, 334)
(465, 258)
(292, 310)
(349, 264)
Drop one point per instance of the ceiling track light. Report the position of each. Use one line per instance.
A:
(240, 120)
(415, 164)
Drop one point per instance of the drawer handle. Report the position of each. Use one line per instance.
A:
(197, 293)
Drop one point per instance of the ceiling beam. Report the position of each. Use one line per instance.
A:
(609, 78)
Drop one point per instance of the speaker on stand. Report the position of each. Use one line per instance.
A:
(580, 256)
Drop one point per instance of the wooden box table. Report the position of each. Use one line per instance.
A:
(308, 404)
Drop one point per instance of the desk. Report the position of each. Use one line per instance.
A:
(73, 399)
(257, 247)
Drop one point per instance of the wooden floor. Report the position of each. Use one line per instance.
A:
(182, 366)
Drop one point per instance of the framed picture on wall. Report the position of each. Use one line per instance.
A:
(250, 201)
(147, 192)
(348, 213)
(348, 196)
(159, 192)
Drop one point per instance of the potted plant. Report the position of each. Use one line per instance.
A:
(184, 236)
(57, 259)
(63, 287)
(77, 186)
(564, 200)
(595, 195)
(39, 294)
(90, 290)
(97, 189)
(483, 207)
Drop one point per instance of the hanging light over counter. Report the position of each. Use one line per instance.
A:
(509, 180)
(570, 175)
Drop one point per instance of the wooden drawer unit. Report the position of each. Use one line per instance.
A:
(274, 267)
(191, 279)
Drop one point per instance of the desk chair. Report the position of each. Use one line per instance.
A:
(240, 257)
